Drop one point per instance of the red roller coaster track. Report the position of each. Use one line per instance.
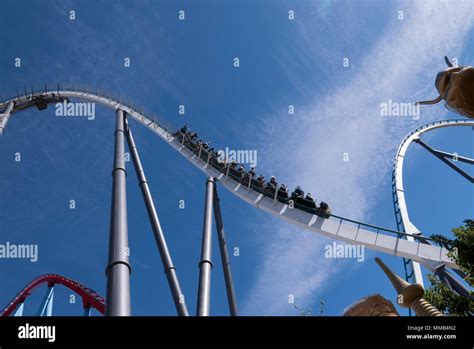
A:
(90, 298)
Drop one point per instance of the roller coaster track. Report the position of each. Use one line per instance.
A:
(380, 239)
(404, 222)
(90, 298)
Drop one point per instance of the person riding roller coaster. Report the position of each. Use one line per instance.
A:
(304, 203)
(283, 193)
(269, 189)
(324, 210)
(298, 193)
(248, 177)
(185, 129)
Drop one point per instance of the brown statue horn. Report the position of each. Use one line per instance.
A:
(448, 62)
(433, 101)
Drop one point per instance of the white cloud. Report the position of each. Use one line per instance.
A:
(401, 66)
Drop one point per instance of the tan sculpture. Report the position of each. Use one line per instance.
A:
(373, 305)
(456, 87)
(409, 296)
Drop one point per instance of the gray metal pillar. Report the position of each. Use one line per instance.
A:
(229, 283)
(170, 270)
(205, 264)
(5, 116)
(443, 155)
(118, 269)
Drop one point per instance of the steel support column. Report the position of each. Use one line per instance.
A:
(87, 311)
(168, 265)
(46, 307)
(19, 309)
(229, 283)
(443, 155)
(118, 269)
(5, 116)
(205, 264)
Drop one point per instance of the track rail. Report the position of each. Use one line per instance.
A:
(339, 228)
(404, 222)
(90, 298)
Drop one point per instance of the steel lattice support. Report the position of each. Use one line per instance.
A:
(118, 269)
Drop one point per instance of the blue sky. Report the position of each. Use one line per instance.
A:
(190, 62)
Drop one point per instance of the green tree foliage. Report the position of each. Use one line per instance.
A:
(461, 250)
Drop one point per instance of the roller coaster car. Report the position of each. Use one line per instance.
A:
(323, 210)
(269, 190)
(258, 185)
(245, 179)
(40, 102)
(213, 161)
(235, 174)
(305, 204)
(282, 195)
(218, 165)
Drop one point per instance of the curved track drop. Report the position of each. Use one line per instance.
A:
(335, 227)
(90, 298)
(404, 222)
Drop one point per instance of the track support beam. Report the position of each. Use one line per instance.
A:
(168, 265)
(46, 307)
(443, 156)
(5, 116)
(205, 264)
(229, 283)
(19, 309)
(118, 269)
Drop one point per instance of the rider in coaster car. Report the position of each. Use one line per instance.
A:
(206, 145)
(298, 193)
(233, 164)
(324, 209)
(242, 170)
(252, 172)
(309, 197)
(273, 181)
(283, 190)
(185, 129)
(271, 185)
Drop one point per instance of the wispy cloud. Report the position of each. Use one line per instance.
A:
(401, 66)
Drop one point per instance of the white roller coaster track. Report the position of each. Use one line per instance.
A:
(399, 200)
(338, 228)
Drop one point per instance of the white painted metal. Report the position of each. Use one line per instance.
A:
(425, 251)
(338, 229)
